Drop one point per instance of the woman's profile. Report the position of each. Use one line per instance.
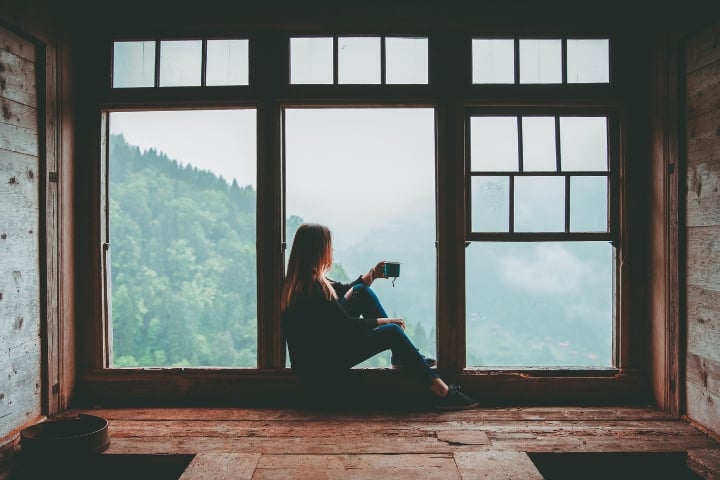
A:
(331, 327)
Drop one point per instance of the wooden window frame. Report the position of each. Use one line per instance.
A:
(566, 234)
(612, 235)
(451, 93)
(158, 52)
(383, 59)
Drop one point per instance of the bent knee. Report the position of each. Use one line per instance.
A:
(360, 288)
(393, 329)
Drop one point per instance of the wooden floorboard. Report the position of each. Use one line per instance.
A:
(481, 443)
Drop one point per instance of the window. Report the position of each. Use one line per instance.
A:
(181, 194)
(517, 165)
(369, 175)
(361, 60)
(540, 61)
(496, 186)
(539, 270)
(180, 63)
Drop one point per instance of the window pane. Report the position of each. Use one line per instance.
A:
(311, 60)
(588, 204)
(182, 236)
(359, 60)
(540, 61)
(490, 204)
(538, 139)
(493, 144)
(406, 60)
(133, 64)
(588, 61)
(583, 144)
(227, 62)
(180, 63)
(539, 204)
(493, 61)
(539, 304)
(369, 175)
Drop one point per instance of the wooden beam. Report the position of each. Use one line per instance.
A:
(375, 387)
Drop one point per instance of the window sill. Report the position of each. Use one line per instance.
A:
(279, 387)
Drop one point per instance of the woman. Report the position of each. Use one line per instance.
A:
(325, 332)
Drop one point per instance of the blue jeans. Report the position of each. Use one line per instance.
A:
(364, 302)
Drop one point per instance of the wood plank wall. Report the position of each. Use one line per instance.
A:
(20, 281)
(703, 228)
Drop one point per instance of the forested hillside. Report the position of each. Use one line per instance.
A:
(183, 263)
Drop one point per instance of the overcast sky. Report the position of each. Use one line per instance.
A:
(347, 168)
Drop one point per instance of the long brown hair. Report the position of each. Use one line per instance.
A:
(310, 259)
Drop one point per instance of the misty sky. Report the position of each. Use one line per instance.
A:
(377, 163)
(221, 141)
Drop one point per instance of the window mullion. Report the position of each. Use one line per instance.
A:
(383, 62)
(157, 63)
(203, 63)
(511, 202)
(567, 203)
(335, 60)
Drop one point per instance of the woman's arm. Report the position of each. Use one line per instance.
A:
(397, 321)
(368, 278)
(378, 271)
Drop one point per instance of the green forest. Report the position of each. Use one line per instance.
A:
(183, 265)
(182, 262)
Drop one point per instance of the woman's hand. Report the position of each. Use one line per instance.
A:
(378, 271)
(396, 321)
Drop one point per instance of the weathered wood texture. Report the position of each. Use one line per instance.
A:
(489, 465)
(703, 229)
(662, 247)
(706, 463)
(20, 357)
(221, 466)
(61, 240)
(480, 443)
(703, 194)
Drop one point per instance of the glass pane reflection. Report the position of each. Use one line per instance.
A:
(180, 63)
(588, 61)
(583, 144)
(359, 60)
(493, 144)
(311, 60)
(490, 204)
(540, 61)
(539, 204)
(133, 64)
(227, 62)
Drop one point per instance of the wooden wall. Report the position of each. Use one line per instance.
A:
(37, 294)
(703, 228)
(20, 281)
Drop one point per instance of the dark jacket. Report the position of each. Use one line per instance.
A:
(317, 331)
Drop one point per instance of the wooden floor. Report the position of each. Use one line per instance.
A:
(306, 444)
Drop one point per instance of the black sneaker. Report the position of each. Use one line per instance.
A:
(431, 362)
(455, 399)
